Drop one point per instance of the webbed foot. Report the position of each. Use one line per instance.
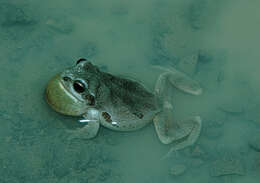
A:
(89, 131)
(182, 133)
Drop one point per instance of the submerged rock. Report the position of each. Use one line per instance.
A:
(197, 14)
(197, 152)
(233, 106)
(256, 164)
(205, 56)
(188, 64)
(60, 25)
(228, 165)
(196, 163)
(213, 124)
(213, 129)
(178, 170)
(213, 133)
(12, 15)
(253, 114)
(254, 142)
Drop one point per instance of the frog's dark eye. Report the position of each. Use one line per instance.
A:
(81, 60)
(79, 86)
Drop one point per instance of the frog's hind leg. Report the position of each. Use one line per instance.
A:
(182, 133)
(179, 80)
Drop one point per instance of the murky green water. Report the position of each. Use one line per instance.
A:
(41, 38)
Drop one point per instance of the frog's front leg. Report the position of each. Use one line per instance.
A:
(182, 133)
(90, 130)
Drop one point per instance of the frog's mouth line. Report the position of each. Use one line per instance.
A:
(63, 88)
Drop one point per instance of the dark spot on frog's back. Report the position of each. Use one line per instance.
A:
(91, 99)
(106, 116)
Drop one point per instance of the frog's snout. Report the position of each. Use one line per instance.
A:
(61, 99)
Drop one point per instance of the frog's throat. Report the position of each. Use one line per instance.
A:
(61, 100)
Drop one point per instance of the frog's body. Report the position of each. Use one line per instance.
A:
(122, 104)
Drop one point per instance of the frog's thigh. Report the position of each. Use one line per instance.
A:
(179, 80)
(89, 131)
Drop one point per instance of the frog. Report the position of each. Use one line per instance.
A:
(123, 104)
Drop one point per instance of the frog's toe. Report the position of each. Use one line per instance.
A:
(183, 133)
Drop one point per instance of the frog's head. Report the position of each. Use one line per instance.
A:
(72, 91)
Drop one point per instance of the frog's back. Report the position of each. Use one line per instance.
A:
(129, 104)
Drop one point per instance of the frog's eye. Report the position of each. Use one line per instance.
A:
(78, 86)
(81, 60)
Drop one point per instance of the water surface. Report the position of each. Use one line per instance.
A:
(39, 39)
